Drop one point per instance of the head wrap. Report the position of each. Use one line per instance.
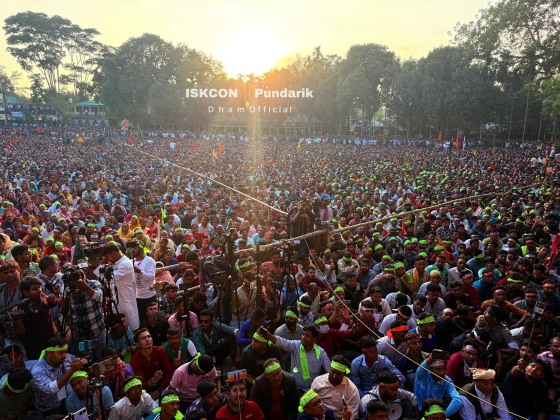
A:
(321, 319)
(272, 367)
(305, 399)
(258, 337)
(482, 373)
(17, 391)
(340, 367)
(53, 348)
(292, 314)
(132, 383)
(169, 398)
(396, 329)
(338, 289)
(305, 305)
(244, 265)
(426, 320)
(434, 409)
(78, 374)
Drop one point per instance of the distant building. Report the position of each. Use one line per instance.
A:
(90, 113)
(14, 111)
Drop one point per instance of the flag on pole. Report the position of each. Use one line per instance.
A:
(299, 145)
(194, 144)
(131, 140)
(78, 254)
(214, 155)
(38, 128)
(457, 142)
(440, 136)
(220, 148)
(7, 147)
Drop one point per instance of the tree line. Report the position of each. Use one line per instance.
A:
(498, 77)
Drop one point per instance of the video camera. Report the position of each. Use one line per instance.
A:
(92, 250)
(216, 268)
(73, 273)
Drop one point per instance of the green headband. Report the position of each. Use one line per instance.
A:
(244, 265)
(434, 409)
(510, 280)
(292, 314)
(134, 382)
(53, 348)
(272, 368)
(196, 362)
(305, 399)
(321, 319)
(340, 367)
(338, 289)
(169, 398)
(17, 391)
(305, 305)
(425, 320)
(78, 374)
(258, 337)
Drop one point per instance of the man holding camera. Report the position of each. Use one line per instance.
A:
(124, 283)
(86, 313)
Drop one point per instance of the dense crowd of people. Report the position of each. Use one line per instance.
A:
(133, 287)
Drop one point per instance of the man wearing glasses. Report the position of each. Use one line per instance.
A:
(276, 392)
(214, 338)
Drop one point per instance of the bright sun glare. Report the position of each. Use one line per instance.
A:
(251, 50)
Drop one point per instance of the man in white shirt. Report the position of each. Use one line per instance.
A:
(145, 271)
(483, 387)
(135, 405)
(124, 283)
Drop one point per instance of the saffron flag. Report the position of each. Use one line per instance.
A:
(299, 145)
(38, 128)
(440, 136)
(457, 142)
(131, 140)
(220, 148)
(194, 144)
(214, 155)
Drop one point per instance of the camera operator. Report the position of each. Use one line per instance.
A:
(51, 283)
(86, 313)
(155, 323)
(124, 282)
(93, 263)
(37, 325)
(145, 271)
(301, 218)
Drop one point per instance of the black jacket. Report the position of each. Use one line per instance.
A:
(289, 395)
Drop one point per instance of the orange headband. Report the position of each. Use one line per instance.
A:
(396, 329)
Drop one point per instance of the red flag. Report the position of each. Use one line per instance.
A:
(440, 136)
(457, 142)
(403, 229)
(553, 252)
(7, 147)
(38, 128)
(220, 148)
(131, 140)
(194, 144)
(14, 142)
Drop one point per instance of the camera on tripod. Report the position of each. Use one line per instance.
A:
(73, 273)
(106, 270)
(92, 250)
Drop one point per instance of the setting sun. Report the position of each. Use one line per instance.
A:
(251, 50)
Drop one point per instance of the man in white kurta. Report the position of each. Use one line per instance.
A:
(125, 283)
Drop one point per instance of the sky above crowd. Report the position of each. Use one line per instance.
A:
(250, 36)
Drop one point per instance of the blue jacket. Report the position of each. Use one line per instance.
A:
(425, 387)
